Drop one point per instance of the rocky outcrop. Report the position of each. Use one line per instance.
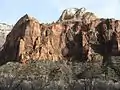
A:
(76, 14)
(66, 39)
(4, 30)
(31, 40)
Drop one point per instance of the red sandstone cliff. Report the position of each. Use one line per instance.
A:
(66, 39)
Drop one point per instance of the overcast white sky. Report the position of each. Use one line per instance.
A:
(50, 10)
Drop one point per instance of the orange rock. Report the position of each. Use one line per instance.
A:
(30, 40)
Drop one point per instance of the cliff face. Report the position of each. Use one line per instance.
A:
(67, 39)
(31, 40)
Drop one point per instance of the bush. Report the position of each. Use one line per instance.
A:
(49, 75)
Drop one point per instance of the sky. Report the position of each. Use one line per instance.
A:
(50, 10)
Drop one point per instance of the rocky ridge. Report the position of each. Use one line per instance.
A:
(36, 41)
(4, 30)
(66, 39)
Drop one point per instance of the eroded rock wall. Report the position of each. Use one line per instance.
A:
(77, 40)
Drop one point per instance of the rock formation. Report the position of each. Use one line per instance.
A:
(71, 40)
(4, 30)
(75, 14)
(31, 40)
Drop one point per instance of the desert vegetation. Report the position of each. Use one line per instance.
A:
(57, 75)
